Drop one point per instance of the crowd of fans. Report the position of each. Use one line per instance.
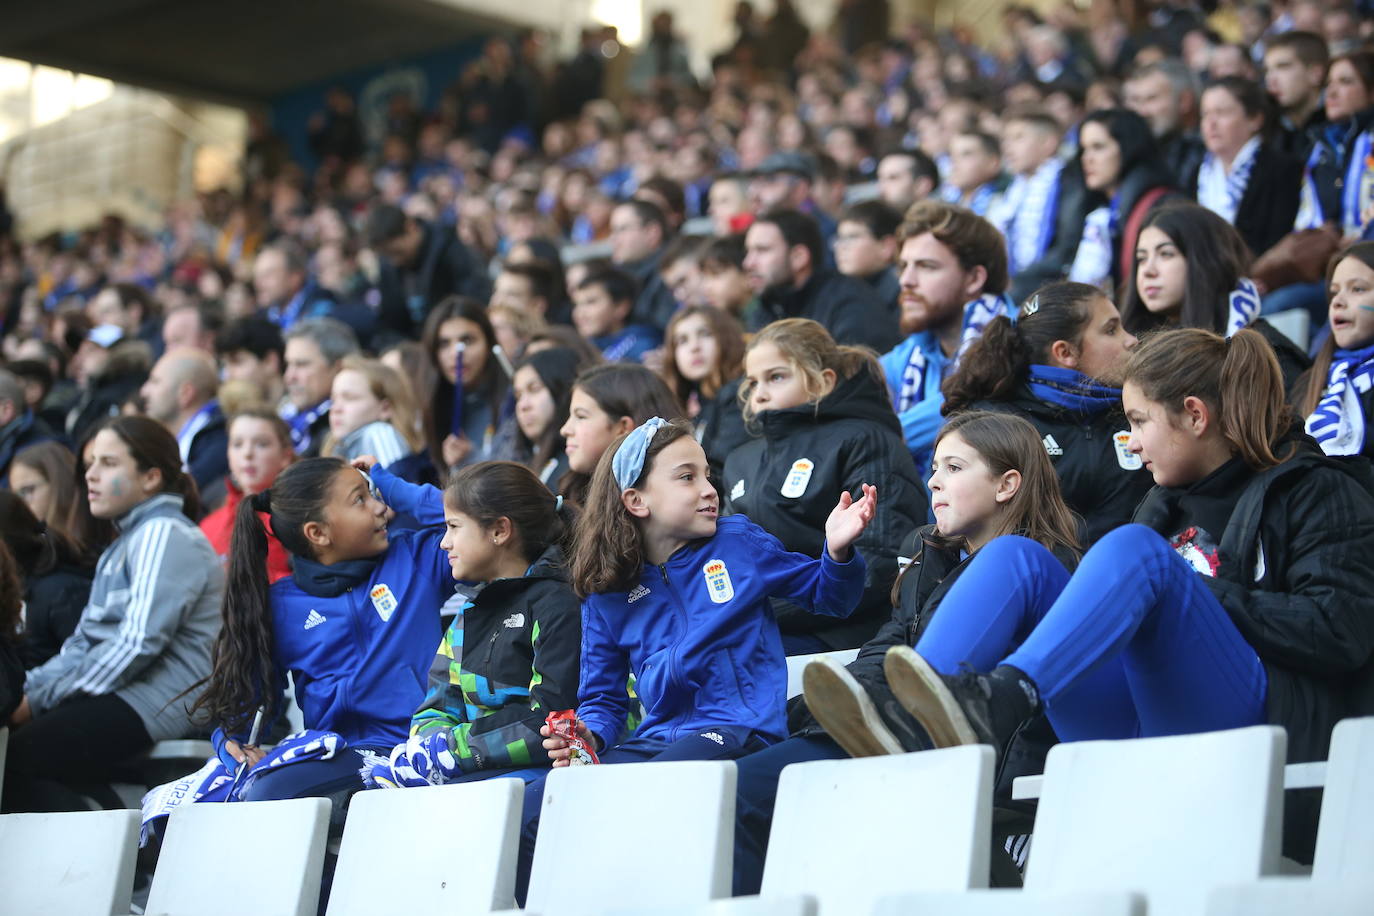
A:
(842, 259)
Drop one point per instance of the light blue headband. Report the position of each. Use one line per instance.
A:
(628, 462)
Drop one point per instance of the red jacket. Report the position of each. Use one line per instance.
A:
(219, 527)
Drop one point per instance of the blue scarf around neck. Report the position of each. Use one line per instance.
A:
(332, 580)
(1072, 390)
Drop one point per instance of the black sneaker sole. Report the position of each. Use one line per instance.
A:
(844, 710)
(922, 692)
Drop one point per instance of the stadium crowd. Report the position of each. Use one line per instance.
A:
(615, 385)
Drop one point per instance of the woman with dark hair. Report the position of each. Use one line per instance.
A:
(1336, 190)
(1243, 178)
(704, 368)
(543, 390)
(1059, 366)
(458, 334)
(144, 638)
(45, 477)
(1121, 165)
(56, 581)
(1189, 271)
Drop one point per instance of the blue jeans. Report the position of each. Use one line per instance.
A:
(734, 742)
(1134, 644)
(1310, 296)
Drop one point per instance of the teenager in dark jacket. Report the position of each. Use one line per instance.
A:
(704, 366)
(1242, 597)
(1335, 172)
(1337, 394)
(1056, 367)
(421, 265)
(992, 477)
(1189, 271)
(825, 425)
(510, 656)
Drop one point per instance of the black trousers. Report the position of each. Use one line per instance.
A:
(69, 753)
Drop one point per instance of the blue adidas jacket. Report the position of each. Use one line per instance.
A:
(698, 634)
(360, 660)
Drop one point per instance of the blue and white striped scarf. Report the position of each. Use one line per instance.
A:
(977, 315)
(1221, 192)
(1243, 306)
(1092, 264)
(1338, 422)
(300, 422)
(1357, 189)
(1026, 214)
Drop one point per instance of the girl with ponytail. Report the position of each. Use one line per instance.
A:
(355, 624)
(143, 639)
(1241, 597)
(826, 425)
(1059, 366)
(522, 626)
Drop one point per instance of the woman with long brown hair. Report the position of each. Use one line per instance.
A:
(1241, 597)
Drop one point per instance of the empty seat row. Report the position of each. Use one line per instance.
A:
(1180, 825)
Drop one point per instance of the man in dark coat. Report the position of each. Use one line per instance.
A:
(420, 265)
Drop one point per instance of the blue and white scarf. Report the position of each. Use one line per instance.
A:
(1220, 191)
(1092, 264)
(979, 201)
(300, 422)
(1243, 306)
(1338, 423)
(214, 782)
(1357, 188)
(1026, 214)
(1072, 390)
(977, 315)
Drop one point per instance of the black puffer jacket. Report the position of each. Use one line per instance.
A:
(848, 308)
(1101, 481)
(850, 438)
(1293, 572)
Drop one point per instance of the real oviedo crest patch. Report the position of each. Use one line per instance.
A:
(797, 478)
(384, 601)
(718, 584)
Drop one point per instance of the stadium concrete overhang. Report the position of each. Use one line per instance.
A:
(244, 52)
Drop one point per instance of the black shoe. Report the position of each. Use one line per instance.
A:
(845, 710)
(954, 710)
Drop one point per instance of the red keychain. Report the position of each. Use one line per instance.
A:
(563, 724)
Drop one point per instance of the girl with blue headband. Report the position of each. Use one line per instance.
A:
(679, 598)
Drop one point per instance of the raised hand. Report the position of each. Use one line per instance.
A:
(848, 520)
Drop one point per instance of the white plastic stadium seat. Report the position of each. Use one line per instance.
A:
(1171, 818)
(1345, 833)
(223, 859)
(797, 663)
(1013, 903)
(75, 864)
(4, 746)
(634, 835)
(928, 828)
(451, 850)
(1294, 897)
(739, 906)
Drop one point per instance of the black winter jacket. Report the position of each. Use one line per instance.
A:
(1101, 481)
(509, 659)
(1270, 202)
(53, 602)
(443, 267)
(850, 438)
(1333, 143)
(848, 308)
(1293, 573)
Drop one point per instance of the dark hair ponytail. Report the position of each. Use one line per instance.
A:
(491, 490)
(243, 676)
(998, 361)
(152, 446)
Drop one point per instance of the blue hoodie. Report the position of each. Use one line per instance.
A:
(359, 637)
(698, 634)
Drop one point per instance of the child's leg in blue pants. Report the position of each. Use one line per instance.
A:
(719, 743)
(1134, 643)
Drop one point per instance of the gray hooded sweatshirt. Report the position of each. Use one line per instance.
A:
(146, 632)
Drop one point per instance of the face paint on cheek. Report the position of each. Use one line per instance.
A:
(1367, 308)
(116, 488)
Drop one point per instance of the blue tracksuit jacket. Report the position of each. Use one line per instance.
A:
(698, 634)
(360, 660)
